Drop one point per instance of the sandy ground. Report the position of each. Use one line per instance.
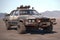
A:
(36, 35)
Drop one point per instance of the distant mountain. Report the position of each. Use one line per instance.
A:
(2, 15)
(46, 14)
(51, 13)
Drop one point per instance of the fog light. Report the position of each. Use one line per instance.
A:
(38, 20)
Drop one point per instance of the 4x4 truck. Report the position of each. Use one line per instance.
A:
(25, 18)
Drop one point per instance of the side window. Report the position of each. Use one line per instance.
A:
(16, 13)
(11, 13)
(23, 12)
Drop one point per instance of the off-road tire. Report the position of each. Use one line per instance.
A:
(48, 29)
(8, 26)
(21, 28)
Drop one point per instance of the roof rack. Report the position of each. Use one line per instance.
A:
(23, 7)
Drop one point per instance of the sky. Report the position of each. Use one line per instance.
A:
(6, 6)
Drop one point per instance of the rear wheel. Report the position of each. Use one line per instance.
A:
(8, 26)
(48, 29)
(21, 28)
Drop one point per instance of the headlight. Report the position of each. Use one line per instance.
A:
(53, 20)
(32, 20)
(29, 20)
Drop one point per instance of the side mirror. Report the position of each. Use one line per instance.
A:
(7, 15)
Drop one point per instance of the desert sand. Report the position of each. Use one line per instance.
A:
(37, 35)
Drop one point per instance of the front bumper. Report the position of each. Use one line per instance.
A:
(41, 24)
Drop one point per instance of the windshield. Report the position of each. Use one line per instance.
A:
(28, 12)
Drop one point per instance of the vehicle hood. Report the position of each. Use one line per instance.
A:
(30, 16)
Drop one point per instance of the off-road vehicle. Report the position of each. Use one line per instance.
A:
(25, 18)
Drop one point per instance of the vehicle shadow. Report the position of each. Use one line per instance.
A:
(36, 31)
(40, 32)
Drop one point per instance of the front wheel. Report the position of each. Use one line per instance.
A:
(21, 28)
(48, 29)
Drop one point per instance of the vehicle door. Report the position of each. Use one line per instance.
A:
(16, 15)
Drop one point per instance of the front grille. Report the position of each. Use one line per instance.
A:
(45, 20)
(13, 23)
